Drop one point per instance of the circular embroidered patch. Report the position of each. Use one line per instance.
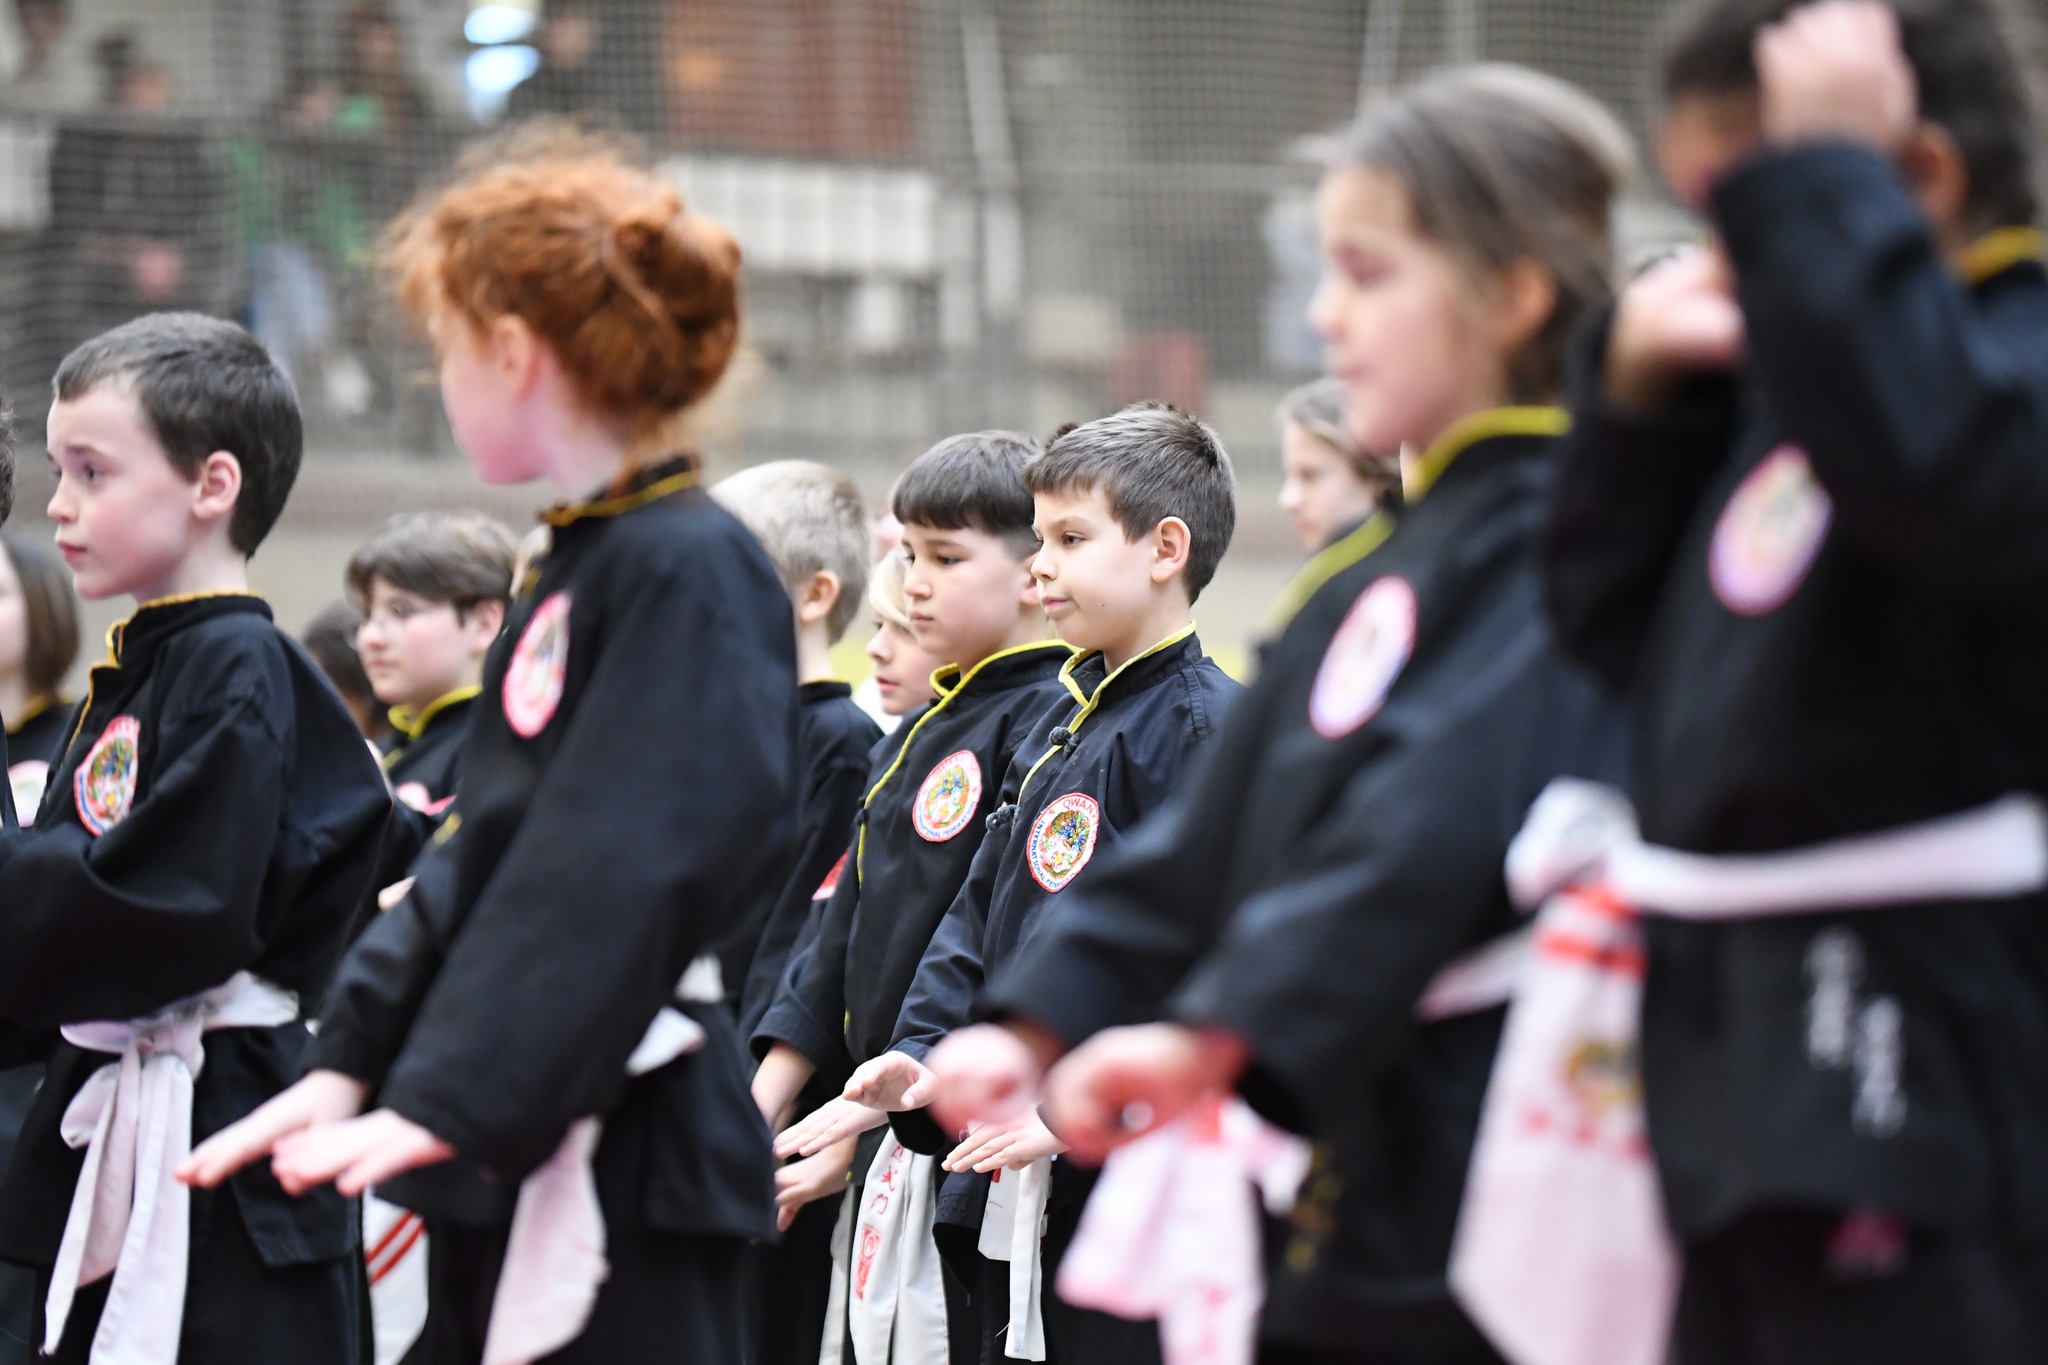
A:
(1063, 840)
(1769, 534)
(949, 797)
(104, 785)
(540, 664)
(28, 780)
(1366, 654)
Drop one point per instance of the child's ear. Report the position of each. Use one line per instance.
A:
(515, 350)
(1525, 295)
(217, 486)
(488, 618)
(819, 596)
(1933, 165)
(1172, 542)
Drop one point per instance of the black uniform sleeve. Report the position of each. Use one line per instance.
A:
(829, 811)
(1320, 973)
(1923, 409)
(577, 939)
(944, 992)
(166, 903)
(1628, 484)
(1110, 953)
(809, 1011)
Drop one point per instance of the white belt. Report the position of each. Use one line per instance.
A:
(1561, 1254)
(888, 1292)
(129, 1215)
(555, 1254)
(1012, 1226)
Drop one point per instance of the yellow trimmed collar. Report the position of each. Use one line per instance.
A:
(413, 726)
(1325, 565)
(2000, 250)
(948, 679)
(1089, 700)
(1418, 477)
(622, 503)
(120, 628)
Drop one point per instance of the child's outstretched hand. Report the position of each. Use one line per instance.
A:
(894, 1082)
(833, 1121)
(986, 1073)
(318, 1097)
(355, 1153)
(1124, 1082)
(1012, 1145)
(1836, 69)
(1677, 319)
(808, 1181)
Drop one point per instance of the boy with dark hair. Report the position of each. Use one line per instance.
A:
(202, 848)
(1134, 511)
(1800, 521)
(433, 588)
(810, 520)
(968, 541)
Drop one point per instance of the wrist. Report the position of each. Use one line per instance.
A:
(1220, 1058)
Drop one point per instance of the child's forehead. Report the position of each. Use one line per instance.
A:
(1078, 498)
(966, 536)
(107, 416)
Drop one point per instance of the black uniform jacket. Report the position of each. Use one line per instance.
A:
(421, 762)
(40, 735)
(215, 811)
(1339, 845)
(625, 795)
(1824, 585)
(836, 743)
(920, 824)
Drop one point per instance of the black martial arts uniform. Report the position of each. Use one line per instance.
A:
(836, 741)
(215, 811)
(626, 793)
(922, 819)
(35, 742)
(424, 754)
(1824, 584)
(1339, 845)
(1082, 780)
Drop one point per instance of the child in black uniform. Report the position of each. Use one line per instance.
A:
(433, 588)
(810, 520)
(38, 645)
(201, 850)
(1341, 844)
(539, 1026)
(1134, 513)
(1802, 520)
(967, 538)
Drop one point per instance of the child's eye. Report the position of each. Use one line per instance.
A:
(1071, 538)
(949, 560)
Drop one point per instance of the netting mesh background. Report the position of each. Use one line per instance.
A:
(956, 213)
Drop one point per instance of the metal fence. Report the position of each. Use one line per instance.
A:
(956, 212)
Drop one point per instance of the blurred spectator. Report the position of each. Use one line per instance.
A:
(379, 94)
(53, 76)
(134, 206)
(303, 230)
(566, 81)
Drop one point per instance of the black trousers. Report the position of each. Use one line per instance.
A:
(239, 1311)
(1787, 1287)
(670, 1300)
(789, 1288)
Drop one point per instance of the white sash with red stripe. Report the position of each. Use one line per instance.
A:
(1561, 1255)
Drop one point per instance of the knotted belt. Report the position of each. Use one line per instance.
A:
(1561, 1255)
(130, 1216)
(555, 1254)
(1171, 1231)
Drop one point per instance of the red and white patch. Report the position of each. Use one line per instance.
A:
(1063, 840)
(416, 795)
(831, 882)
(1366, 654)
(27, 779)
(104, 785)
(539, 668)
(949, 797)
(1769, 534)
